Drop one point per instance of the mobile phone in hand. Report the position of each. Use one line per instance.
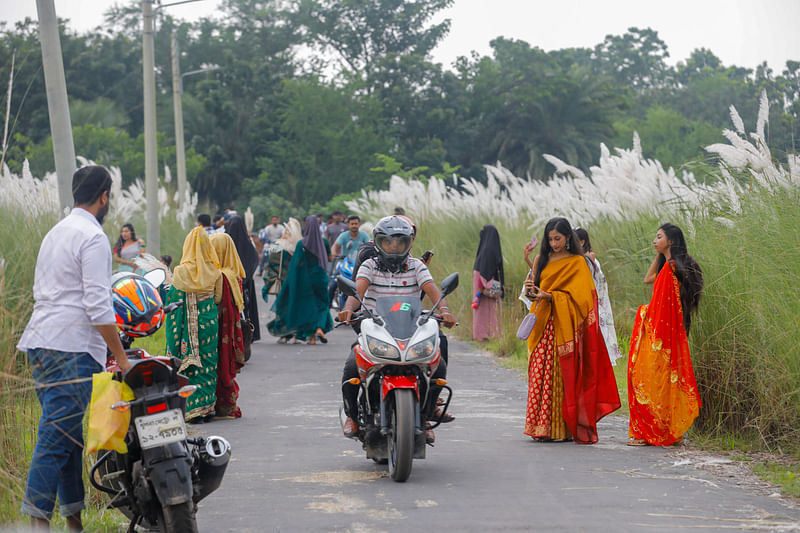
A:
(427, 256)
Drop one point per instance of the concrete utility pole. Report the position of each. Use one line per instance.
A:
(150, 155)
(57, 104)
(177, 89)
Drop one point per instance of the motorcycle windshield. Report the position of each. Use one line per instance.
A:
(400, 313)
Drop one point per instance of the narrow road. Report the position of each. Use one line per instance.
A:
(292, 470)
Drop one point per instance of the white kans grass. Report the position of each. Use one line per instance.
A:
(34, 197)
(623, 185)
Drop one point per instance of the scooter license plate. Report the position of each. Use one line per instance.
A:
(161, 428)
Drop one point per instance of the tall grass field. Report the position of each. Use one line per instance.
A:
(741, 222)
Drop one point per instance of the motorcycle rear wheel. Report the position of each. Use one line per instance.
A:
(180, 518)
(401, 437)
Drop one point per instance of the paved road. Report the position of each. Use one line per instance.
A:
(293, 471)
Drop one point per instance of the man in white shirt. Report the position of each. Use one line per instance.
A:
(66, 339)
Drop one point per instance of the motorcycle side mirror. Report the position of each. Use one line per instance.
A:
(347, 286)
(156, 277)
(449, 284)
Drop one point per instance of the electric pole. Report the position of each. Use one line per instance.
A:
(177, 89)
(150, 155)
(57, 103)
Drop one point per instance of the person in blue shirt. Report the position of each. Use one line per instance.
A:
(346, 245)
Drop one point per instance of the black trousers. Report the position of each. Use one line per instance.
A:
(350, 370)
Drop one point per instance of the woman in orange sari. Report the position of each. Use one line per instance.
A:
(662, 391)
(570, 380)
(231, 344)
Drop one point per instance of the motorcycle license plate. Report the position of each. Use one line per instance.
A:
(161, 428)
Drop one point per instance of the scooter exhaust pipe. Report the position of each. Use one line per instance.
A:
(214, 453)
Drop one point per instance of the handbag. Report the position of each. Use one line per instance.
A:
(526, 326)
(495, 290)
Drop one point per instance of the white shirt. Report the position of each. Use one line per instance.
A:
(71, 289)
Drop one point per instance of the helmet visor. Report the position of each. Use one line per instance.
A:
(394, 245)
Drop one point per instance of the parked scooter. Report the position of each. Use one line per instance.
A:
(397, 354)
(158, 483)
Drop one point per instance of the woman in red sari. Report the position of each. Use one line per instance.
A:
(231, 344)
(570, 380)
(662, 391)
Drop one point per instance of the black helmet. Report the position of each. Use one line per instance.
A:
(393, 236)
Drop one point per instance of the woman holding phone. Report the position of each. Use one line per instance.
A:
(662, 392)
(570, 380)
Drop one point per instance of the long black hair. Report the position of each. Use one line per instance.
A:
(583, 236)
(561, 225)
(687, 271)
(121, 241)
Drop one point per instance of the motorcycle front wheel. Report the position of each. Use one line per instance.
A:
(179, 518)
(401, 437)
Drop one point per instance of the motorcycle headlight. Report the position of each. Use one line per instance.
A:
(381, 349)
(422, 349)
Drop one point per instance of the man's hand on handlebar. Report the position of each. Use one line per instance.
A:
(448, 319)
(344, 316)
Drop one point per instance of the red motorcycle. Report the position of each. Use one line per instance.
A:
(397, 355)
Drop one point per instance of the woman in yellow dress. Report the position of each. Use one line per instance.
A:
(662, 392)
(570, 380)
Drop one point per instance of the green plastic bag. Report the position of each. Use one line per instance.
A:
(107, 427)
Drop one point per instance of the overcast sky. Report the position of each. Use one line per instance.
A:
(740, 32)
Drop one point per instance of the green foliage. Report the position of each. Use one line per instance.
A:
(533, 104)
(306, 127)
(787, 477)
(326, 138)
(667, 136)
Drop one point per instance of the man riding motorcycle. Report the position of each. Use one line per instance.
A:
(390, 273)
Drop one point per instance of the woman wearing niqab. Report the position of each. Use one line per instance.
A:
(249, 258)
(488, 281)
(301, 307)
(230, 345)
(192, 329)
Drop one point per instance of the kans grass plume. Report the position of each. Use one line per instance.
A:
(623, 185)
(34, 197)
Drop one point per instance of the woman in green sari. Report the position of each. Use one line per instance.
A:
(301, 308)
(192, 329)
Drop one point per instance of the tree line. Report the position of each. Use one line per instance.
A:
(314, 100)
